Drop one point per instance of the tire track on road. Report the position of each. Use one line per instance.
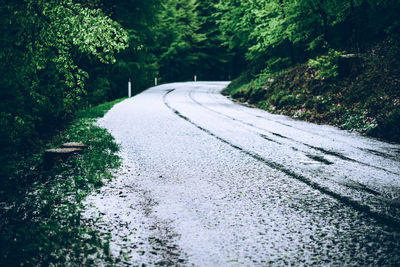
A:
(395, 157)
(320, 149)
(383, 218)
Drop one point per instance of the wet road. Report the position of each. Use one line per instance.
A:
(207, 182)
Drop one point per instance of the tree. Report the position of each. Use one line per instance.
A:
(42, 82)
(179, 40)
(138, 61)
(213, 64)
(276, 34)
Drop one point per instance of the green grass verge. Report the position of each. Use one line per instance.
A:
(41, 209)
(97, 111)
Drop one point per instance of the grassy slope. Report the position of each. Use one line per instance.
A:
(40, 209)
(366, 100)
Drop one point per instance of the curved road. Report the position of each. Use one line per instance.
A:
(207, 182)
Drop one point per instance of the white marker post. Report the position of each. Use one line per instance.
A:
(155, 81)
(129, 88)
(195, 78)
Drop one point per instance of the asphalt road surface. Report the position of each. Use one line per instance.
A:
(208, 182)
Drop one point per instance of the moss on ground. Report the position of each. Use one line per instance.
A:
(40, 209)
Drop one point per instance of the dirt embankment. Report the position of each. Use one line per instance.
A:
(354, 92)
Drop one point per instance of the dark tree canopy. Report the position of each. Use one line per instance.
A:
(43, 81)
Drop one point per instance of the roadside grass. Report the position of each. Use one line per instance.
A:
(97, 111)
(41, 209)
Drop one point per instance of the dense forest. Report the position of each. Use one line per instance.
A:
(58, 56)
(326, 61)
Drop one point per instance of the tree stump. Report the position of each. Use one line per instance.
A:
(74, 145)
(54, 155)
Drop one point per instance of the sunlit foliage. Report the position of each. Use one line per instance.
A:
(42, 82)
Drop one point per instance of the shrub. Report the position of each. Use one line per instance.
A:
(237, 83)
(310, 103)
(327, 65)
(100, 89)
(257, 94)
(276, 97)
(287, 100)
(388, 127)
